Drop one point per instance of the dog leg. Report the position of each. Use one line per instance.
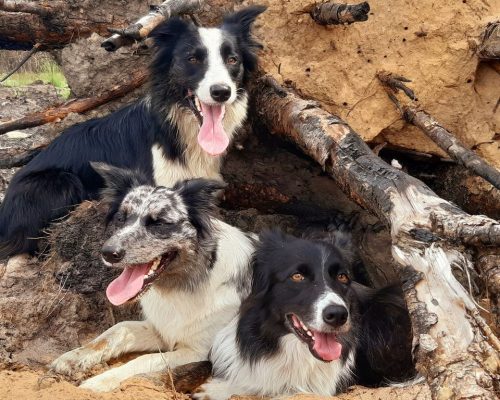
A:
(217, 389)
(145, 364)
(124, 337)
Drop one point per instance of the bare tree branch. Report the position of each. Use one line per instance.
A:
(439, 135)
(35, 48)
(60, 112)
(141, 29)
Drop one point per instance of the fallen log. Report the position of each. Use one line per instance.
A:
(439, 135)
(141, 29)
(330, 13)
(452, 350)
(489, 49)
(57, 113)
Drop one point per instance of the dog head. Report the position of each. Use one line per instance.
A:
(203, 70)
(157, 231)
(305, 287)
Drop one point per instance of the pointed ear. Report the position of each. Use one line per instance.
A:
(240, 22)
(118, 181)
(199, 196)
(166, 32)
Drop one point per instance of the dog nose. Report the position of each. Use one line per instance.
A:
(220, 92)
(112, 254)
(335, 315)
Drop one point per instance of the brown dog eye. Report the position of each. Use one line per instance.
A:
(297, 277)
(193, 60)
(232, 60)
(343, 278)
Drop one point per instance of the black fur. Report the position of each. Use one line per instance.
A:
(380, 330)
(60, 177)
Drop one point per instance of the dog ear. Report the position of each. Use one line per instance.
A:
(199, 196)
(117, 181)
(166, 32)
(240, 24)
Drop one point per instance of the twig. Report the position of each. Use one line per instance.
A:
(439, 135)
(35, 48)
(336, 14)
(18, 160)
(60, 112)
(141, 29)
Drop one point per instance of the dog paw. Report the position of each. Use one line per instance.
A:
(104, 382)
(215, 389)
(76, 362)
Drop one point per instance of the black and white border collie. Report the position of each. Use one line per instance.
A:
(196, 102)
(304, 326)
(189, 271)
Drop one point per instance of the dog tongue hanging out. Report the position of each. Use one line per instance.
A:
(212, 137)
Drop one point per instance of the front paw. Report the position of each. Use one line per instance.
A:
(104, 382)
(76, 362)
(215, 389)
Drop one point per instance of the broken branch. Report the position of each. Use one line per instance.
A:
(141, 29)
(336, 14)
(57, 113)
(450, 349)
(35, 48)
(489, 48)
(439, 135)
(39, 8)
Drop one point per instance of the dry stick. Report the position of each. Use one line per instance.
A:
(489, 48)
(439, 135)
(336, 14)
(18, 160)
(39, 8)
(60, 112)
(141, 29)
(35, 48)
(447, 343)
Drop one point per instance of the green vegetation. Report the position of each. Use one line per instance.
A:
(49, 73)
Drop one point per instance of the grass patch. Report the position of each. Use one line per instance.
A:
(49, 73)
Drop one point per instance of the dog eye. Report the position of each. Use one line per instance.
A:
(297, 277)
(343, 278)
(121, 217)
(193, 60)
(232, 60)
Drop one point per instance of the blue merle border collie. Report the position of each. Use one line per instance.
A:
(196, 102)
(306, 327)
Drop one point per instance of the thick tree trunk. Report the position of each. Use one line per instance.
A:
(428, 236)
(57, 23)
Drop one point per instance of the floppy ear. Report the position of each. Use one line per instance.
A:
(199, 196)
(117, 183)
(240, 24)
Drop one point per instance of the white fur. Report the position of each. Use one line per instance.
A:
(180, 324)
(217, 73)
(198, 163)
(293, 369)
(326, 299)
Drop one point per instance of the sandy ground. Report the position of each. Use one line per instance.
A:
(31, 385)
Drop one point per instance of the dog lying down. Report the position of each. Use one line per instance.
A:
(303, 326)
(189, 271)
(307, 328)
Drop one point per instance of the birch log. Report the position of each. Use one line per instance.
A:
(453, 350)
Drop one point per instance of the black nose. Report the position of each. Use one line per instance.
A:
(112, 254)
(335, 315)
(220, 92)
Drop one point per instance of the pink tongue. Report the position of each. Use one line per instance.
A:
(212, 137)
(128, 284)
(326, 346)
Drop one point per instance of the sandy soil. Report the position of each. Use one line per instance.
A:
(31, 385)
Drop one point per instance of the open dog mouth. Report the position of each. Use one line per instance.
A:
(212, 137)
(136, 279)
(322, 345)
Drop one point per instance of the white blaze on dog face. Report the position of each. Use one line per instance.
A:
(217, 72)
(328, 298)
